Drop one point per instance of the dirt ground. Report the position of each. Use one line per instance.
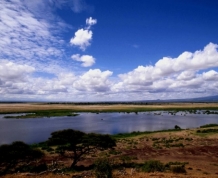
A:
(199, 153)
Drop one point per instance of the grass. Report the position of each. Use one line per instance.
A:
(47, 113)
(209, 125)
(98, 108)
(138, 133)
(157, 166)
(153, 166)
(208, 131)
(159, 143)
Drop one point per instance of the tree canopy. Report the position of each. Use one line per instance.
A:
(75, 144)
(17, 152)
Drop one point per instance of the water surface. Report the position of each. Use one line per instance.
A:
(35, 130)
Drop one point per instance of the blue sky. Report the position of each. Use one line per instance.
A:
(82, 50)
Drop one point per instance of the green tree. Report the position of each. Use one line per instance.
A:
(177, 127)
(75, 144)
(16, 153)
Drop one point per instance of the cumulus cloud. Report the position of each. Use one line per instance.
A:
(210, 75)
(12, 71)
(94, 80)
(86, 60)
(186, 75)
(184, 66)
(14, 78)
(33, 61)
(83, 37)
(174, 75)
(187, 60)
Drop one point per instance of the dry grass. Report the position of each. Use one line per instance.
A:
(28, 107)
(200, 153)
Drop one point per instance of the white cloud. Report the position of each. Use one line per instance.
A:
(10, 71)
(14, 78)
(30, 45)
(174, 75)
(86, 60)
(94, 81)
(210, 75)
(183, 66)
(186, 75)
(30, 36)
(66, 78)
(90, 21)
(187, 60)
(82, 39)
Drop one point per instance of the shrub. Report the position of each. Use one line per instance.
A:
(125, 159)
(103, 168)
(178, 169)
(152, 166)
(177, 127)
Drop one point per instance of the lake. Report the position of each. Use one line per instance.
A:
(39, 129)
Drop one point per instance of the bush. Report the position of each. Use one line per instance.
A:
(152, 166)
(209, 125)
(178, 169)
(177, 127)
(103, 168)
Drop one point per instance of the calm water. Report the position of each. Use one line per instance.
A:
(37, 130)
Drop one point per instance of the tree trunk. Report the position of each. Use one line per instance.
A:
(74, 163)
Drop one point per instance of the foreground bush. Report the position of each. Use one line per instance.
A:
(153, 166)
(103, 168)
(15, 155)
(178, 169)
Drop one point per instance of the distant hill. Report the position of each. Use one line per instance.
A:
(209, 99)
(204, 99)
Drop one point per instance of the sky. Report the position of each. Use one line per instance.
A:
(108, 50)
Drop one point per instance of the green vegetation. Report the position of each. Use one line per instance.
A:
(78, 145)
(17, 155)
(153, 166)
(75, 144)
(177, 127)
(208, 131)
(157, 166)
(178, 169)
(103, 168)
(138, 133)
(209, 125)
(177, 163)
(210, 112)
(158, 143)
(47, 113)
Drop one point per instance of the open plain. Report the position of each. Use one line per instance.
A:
(195, 149)
(31, 107)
